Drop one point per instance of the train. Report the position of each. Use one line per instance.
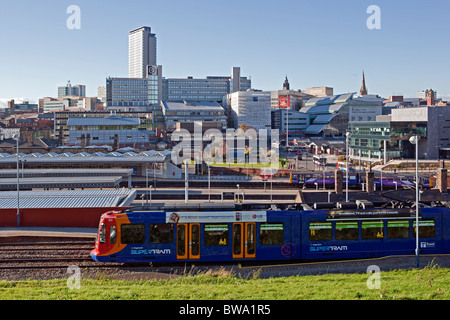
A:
(356, 179)
(237, 236)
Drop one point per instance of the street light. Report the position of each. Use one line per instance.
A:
(209, 183)
(17, 137)
(186, 182)
(415, 140)
(347, 136)
(146, 185)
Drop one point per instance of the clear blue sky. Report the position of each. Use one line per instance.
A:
(316, 43)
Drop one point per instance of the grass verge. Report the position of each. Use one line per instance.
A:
(430, 283)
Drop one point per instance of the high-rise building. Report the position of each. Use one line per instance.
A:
(141, 52)
(78, 90)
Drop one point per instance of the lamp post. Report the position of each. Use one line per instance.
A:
(150, 192)
(415, 140)
(209, 183)
(186, 182)
(17, 137)
(347, 136)
(146, 185)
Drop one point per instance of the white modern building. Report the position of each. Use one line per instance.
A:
(141, 52)
(249, 108)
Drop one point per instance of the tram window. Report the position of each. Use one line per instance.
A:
(102, 233)
(216, 234)
(161, 233)
(398, 229)
(132, 233)
(347, 230)
(271, 234)
(319, 231)
(372, 230)
(112, 234)
(426, 229)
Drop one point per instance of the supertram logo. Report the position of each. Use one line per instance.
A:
(328, 248)
(150, 251)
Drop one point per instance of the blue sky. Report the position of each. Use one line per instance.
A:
(316, 43)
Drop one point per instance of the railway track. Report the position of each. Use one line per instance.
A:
(48, 260)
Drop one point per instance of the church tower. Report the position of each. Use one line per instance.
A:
(430, 98)
(286, 84)
(363, 91)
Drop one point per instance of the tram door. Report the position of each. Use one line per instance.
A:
(188, 241)
(244, 240)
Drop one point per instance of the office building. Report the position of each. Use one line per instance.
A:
(366, 108)
(67, 103)
(211, 88)
(369, 138)
(210, 114)
(78, 90)
(137, 94)
(431, 124)
(141, 52)
(61, 128)
(296, 122)
(111, 130)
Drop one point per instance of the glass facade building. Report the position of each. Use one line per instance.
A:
(209, 89)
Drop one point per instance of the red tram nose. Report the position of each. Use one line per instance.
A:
(107, 234)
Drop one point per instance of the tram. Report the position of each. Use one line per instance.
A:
(169, 237)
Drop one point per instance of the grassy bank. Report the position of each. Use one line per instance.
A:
(429, 283)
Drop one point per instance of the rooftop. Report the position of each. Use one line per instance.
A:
(340, 98)
(191, 105)
(107, 121)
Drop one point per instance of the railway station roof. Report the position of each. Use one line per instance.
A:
(69, 157)
(61, 182)
(51, 172)
(68, 198)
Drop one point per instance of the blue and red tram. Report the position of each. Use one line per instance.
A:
(269, 235)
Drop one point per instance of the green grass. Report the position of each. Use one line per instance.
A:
(430, 283)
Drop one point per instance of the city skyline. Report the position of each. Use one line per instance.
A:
(320, 43)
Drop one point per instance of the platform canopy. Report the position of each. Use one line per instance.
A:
(68, 199)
